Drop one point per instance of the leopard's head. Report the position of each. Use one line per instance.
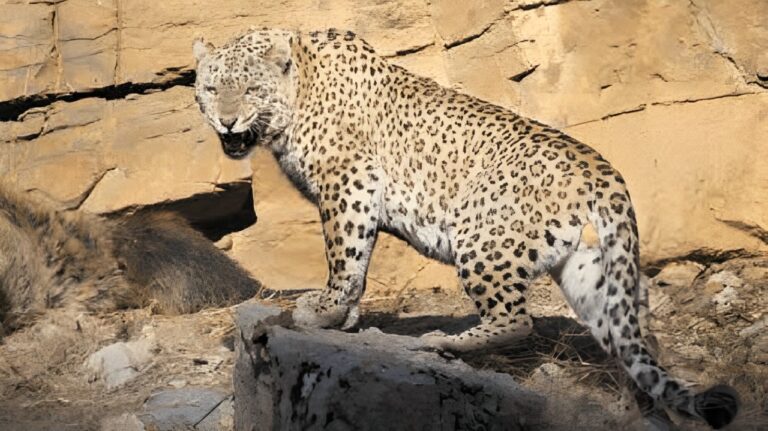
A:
(245, 88)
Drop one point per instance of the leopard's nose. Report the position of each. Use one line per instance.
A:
(228, 122)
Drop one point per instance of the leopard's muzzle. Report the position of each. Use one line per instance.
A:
(238, 145)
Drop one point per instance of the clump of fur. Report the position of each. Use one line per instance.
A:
(176, 266)
(60, 259)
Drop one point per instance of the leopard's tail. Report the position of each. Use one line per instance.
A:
(618, 324)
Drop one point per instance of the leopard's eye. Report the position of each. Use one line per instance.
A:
(252, 91)
(210, 89)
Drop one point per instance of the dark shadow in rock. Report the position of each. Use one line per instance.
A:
(703, 256)
(554, 338)
(227, 209)
(288, 294)
(416, 325)
(11, 110)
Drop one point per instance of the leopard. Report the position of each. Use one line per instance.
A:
(501, 197)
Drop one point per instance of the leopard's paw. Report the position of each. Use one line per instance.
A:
(435, 340)
(317, 309)
(352, 317)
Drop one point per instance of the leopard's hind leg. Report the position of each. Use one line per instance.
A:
(581, 277)
(496, 262)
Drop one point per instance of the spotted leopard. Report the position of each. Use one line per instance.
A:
(502, 197)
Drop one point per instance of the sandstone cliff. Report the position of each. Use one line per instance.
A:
(97, 112)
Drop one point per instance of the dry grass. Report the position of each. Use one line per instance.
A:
(42, 380)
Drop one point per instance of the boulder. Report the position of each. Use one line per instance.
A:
(294, 378)
(119, 363)
(184, 408)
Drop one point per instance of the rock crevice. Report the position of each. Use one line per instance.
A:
(14, 109)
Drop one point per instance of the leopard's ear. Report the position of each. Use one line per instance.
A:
(201, 48)
(280, 53)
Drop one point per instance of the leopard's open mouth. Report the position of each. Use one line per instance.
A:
(238, 145)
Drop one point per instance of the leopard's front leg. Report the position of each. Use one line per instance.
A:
(349, 206)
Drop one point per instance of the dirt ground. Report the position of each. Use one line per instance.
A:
(710, 320)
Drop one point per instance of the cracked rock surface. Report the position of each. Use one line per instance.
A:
(97, 96)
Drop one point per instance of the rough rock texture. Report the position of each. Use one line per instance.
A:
(194, 409)
(96, 110)
(180, 408)
(103, 155)
(317, 379)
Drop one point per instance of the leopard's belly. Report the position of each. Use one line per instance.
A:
(430, 239)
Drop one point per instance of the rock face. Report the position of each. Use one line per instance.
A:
(104, 155)
(97, 113)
